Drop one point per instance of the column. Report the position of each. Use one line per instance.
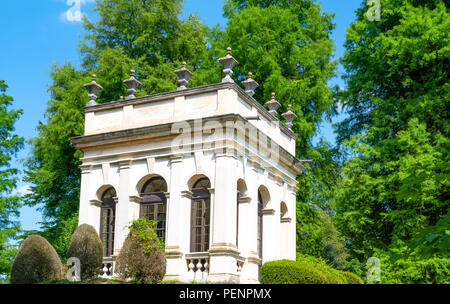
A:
(175, 266)
(292, 207)
(251, 270)
(223, 251)
(123, 212)
(83, 217)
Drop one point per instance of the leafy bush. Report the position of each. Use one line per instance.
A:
(332, 275)
(63, 235)
(142, 256)
(317, 236)
(35, 261)
(87, 246)
(291, 272)
(352, 278)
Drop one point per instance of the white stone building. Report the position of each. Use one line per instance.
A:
(210, 164)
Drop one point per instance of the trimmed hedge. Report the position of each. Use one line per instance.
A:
(291, 272)
(306, 270)
(352, 278)
(86, 245)
(36, 261)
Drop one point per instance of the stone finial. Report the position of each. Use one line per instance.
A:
(273, 105)
(228, 63)
(93, 87)
(132, 85)
(183, 76)
(289, 116)
(250, 85)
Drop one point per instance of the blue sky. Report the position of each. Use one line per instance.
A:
(37, 34)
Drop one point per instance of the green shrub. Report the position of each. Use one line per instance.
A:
(332, 275)
(291, 272)
(35, 261)
(86, 245)
(352, 278)
(142, 257)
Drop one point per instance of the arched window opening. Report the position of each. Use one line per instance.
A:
(200, 215)
(107, 221)
(153, 204)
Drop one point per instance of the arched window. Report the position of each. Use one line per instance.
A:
(153, 204)
(107, 220)
(200, 215)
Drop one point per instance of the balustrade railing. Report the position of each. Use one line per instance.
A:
(198, 266)
(108, 267)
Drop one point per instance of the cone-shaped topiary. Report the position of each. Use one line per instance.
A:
(87, 246)
(36, 261)
(142, 258)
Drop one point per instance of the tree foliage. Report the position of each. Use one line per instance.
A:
(394, 195)
(10, 144)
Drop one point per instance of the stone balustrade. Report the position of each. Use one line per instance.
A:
(198, 266)
(108, 267)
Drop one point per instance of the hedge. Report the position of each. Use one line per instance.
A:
(291, 272)
(35, 261)
(86, 245)
(306, 270)
(352, 278)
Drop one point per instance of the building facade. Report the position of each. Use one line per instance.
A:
(213, 167)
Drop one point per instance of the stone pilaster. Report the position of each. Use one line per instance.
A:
(223, 251)
(176, 267)
(123, 212)
(84, 210)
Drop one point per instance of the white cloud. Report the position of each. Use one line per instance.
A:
(74, 13)
(22, 190)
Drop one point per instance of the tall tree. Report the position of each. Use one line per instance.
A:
(396, 188)
(10, 144)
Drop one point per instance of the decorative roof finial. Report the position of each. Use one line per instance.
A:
(93, 87)
(183, 76)
(250, 85)
(228, 63)
(289, 116)
(132, 84)
(273, 105)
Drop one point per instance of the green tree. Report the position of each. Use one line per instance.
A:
(10, 144)
(394, 195)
